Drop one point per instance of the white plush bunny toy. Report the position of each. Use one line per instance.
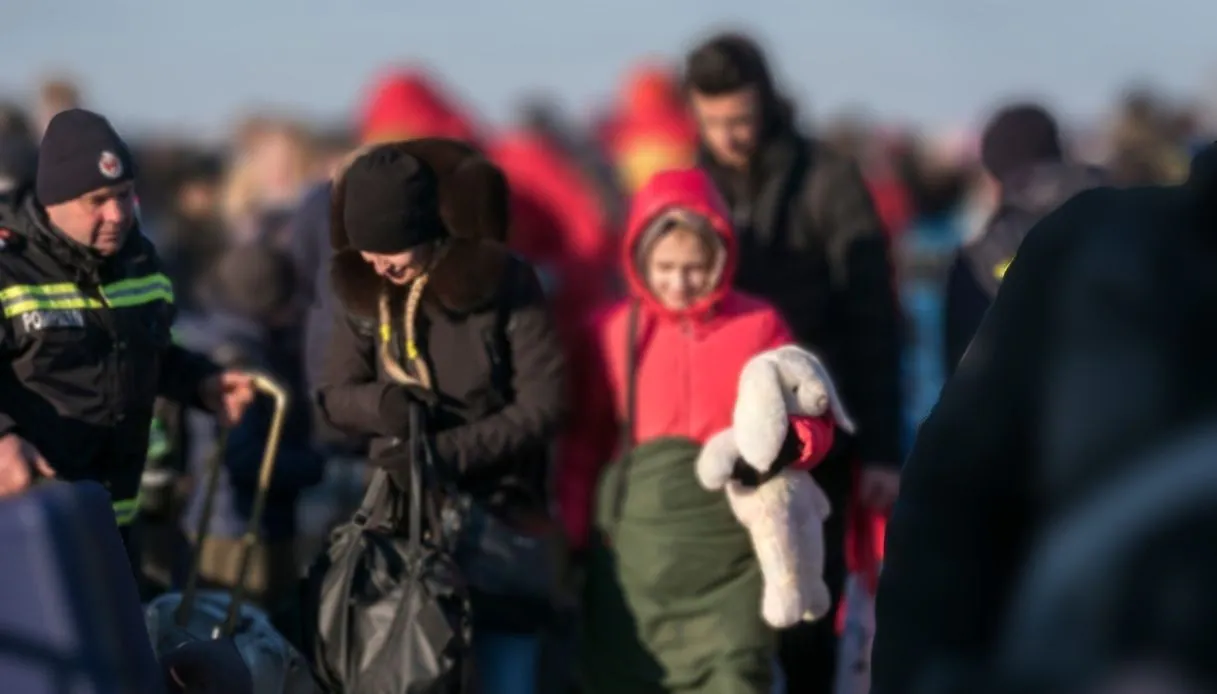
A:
(785, 514)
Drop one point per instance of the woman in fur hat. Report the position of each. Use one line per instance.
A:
(438, 312)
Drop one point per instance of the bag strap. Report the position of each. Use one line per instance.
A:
(418, 459)
(627, 426)
(371, 510)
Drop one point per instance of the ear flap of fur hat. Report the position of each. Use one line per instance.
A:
(760, 416)
(475, 201)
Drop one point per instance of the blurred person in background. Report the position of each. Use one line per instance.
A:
(410, 103)
(649, 128)
(248, 319)
(331, 147)
(18, 163)
(810, 242)
(191, 234)
(1025, 160)
(1144, 147)
(558, 222)
(925, 253)
(55, 95)
(883, 155)
(1097, 347)
(270, 171)
(18, 151)
(540, 115)
(14, 122)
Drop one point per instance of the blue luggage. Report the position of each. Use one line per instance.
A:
(175, 619)
(70, 614)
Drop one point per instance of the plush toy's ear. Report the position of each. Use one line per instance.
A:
(760, 413)
(807, 366)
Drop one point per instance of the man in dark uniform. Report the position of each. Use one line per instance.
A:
(85, 343)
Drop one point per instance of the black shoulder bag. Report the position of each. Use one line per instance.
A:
(387, 614)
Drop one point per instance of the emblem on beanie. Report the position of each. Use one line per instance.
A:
(110, 165)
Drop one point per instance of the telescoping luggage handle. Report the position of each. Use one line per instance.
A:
(267, 386)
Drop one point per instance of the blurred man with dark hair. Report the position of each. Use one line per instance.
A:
(812, 243)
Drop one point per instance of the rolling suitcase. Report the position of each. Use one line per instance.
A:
(193, 615)
(70, 616)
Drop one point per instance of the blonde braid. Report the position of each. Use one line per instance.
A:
(414, 357)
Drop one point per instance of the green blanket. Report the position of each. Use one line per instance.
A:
(673, 588)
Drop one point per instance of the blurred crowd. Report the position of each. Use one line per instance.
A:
(211, 195)
(266, 193)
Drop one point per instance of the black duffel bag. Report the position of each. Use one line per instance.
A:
(387, 614)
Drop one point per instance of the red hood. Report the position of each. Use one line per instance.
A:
(650, 105)
(650, 88)
(408, 104)
(650, 129)
(539, 171)
(639, 151)
(693, 190)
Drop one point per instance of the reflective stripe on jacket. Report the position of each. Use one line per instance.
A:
(85, 349)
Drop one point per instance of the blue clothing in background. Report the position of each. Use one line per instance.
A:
(240, 342)
(928, 249)
(311, 251)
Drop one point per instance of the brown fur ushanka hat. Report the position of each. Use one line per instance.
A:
(473, 202)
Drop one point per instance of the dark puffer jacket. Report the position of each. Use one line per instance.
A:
(1099, 346)
(485, 332)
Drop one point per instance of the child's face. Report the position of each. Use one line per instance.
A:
(680, 269)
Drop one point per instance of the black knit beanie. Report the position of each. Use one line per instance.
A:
(391, 202)
(80, 152)
(1019, 137)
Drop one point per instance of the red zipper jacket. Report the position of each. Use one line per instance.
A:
(688, 362)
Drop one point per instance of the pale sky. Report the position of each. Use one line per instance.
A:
(193, 66)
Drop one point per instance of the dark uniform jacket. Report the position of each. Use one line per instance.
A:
(85, 349)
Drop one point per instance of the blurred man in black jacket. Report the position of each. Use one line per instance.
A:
(810, 242)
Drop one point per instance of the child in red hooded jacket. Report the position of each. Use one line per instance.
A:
(673, 589)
